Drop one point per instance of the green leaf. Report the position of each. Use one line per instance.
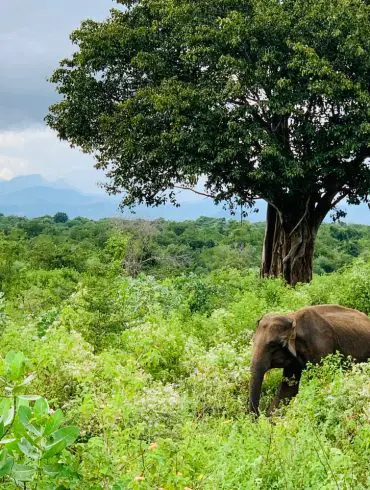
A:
(8, 440)
(69, 434)
(28, 449)
(6, 463)
(20, 387)
(54, 448)
(24, 417)
(21, 472)
(52, 469)
(22, 401)
(30, 398)
(28, 380)
(18, 429)
(15, 365)
(41, 408)
(54, 422)
(10, 444)
(6, 411)
(119, 486)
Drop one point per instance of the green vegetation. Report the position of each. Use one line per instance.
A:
(139, 332)
(32, 441)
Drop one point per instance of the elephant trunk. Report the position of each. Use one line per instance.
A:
(258, 371)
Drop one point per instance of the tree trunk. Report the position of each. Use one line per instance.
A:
(289, 244)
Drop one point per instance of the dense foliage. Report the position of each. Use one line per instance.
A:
(261, 98)
(139, 332)
(32, 439)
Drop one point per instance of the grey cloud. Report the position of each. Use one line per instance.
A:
(34, 36)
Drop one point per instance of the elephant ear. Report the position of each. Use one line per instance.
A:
(288, 337)
(290, 342)
(315, 332)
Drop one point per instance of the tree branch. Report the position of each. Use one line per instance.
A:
(280, 214)
(339, 198)
(326, 204)
(303, 217)
(200, 193)
(184, 188)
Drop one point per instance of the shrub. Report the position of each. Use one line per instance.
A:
(33, 441)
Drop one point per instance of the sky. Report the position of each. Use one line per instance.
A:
(34, 37)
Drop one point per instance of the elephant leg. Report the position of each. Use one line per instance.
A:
(288, 387)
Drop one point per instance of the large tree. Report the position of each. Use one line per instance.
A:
(260, 99)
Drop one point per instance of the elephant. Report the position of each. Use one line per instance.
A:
(291, 340)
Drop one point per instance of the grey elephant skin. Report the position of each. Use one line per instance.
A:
(292, 340)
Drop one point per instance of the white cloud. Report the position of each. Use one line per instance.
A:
(17, 139)
(37, 150)
(6, 174)
(11, 139)
(10, 166)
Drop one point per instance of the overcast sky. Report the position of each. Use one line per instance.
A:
(34, 36)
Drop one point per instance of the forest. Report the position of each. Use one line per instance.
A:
(125, 356)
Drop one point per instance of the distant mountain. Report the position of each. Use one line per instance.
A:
(33, 196)
(26, 181)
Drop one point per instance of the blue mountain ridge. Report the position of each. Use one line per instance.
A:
(33, 196)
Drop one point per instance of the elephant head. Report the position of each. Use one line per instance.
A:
(274, 346)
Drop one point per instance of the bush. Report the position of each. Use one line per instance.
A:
(33, 443)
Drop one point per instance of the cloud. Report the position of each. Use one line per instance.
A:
(37, 150)
(11, 166)
(11, 139)
(34, 37)
(6, 174)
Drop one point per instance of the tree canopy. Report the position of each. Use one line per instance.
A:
(261, 98)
